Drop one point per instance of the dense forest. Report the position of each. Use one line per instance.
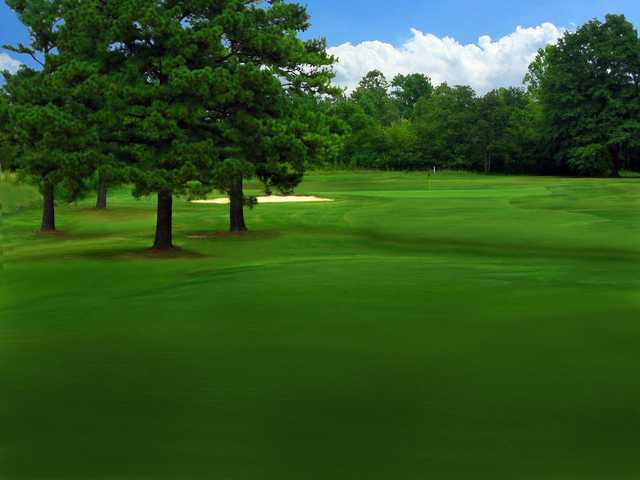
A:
(578, 115)
(184, 98)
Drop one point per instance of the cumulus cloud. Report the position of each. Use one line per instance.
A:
(8, 63)
(486, 65)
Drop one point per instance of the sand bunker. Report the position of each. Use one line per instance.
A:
(271, 199)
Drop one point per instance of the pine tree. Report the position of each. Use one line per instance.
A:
(54, 145)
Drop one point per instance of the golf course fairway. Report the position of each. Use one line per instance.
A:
(456, 326)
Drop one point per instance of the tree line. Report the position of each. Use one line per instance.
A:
(577, 114)
(183, 97)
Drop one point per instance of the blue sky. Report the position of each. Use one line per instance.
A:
(391, 46)
(389, 20)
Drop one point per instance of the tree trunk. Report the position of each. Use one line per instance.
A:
(101, 201)
(163, 239)
(236, 207)
(487, 163)
(48, 208)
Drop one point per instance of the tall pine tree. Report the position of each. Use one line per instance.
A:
(55, 146)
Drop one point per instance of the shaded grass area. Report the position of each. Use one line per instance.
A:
(15, 196)
(454, 327)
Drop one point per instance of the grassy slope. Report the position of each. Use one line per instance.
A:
(486, 328)
(13, 196)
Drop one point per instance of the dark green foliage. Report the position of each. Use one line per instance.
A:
(447, 128)
(85, 45)
(372, 95)
(589, 88)
(408, 90)
(509, 126)
(362, 137)
(163, 90)
(378, 135)
(55, 146)
(314, 121)
(7, 146)
(409, 125)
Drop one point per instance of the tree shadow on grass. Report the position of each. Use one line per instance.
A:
(249, 235)
(50, 233)
(175, 253)
(119, 213)
(64, 237)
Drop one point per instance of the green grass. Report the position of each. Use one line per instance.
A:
(482, 328)
(15, 196)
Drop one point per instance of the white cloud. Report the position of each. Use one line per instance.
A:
(486, 65)
(8, 63)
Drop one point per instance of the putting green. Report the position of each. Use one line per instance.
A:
(455, 327)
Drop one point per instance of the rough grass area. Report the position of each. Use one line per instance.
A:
(14, 196)
(462, 327)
